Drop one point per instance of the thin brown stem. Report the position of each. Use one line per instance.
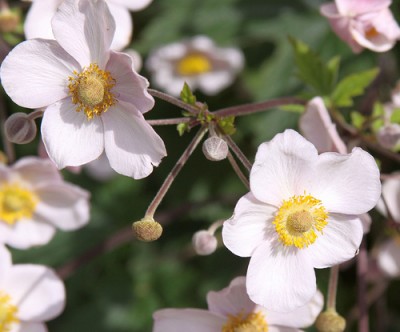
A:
(173, 101)
(7, 145)
(238, 171)
(332, 288)
(238, 153)
(362, 271)
(174, 172)
(35, 114)
(166, 122)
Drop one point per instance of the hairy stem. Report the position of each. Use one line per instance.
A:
(362, 271)
(238, 171)
(332, 288)
(173, 101)
(238, 153)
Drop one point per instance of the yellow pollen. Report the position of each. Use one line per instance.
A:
(300, 220)
(91, 90)
(371, 33)
(8, 313)
(253, 322)
(193, 64)
(16, 202)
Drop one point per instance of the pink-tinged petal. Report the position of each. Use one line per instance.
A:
(317, 127)
(35, 73)
(280, 278)
(5, 262)
(339, 242)
(36, 170)
(27, 233)
(130, 86)
(302, 317)
(366, 221)
(30, 327)
(133, 5)
(38, 19)
(329, 10)
(63, 205)
(37, 291)
(347, 184)
(92, 27)
(391, 195)
(100, 169)
(358, 7)
(249, 226)
(131, 144)
(282, 168)
(69, 137)
(123, 26)
(231, 300)
(389, 258)
(276, 328)
(193, 320)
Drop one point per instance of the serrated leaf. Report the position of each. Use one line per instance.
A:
(187, 95)
(352, 86)
(227, 125)
(357, 119)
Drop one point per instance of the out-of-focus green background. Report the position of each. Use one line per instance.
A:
(119, 289)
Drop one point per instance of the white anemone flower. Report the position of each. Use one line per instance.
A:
(29, 295)
(34, 201)
(301, 213)
(93, 99)
(198, 62)
(231, 310)
(38, 19)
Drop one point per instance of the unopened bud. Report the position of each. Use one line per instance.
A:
(20, 129)
(9, 20)
(389, 136)
(215, 148)
(147, 229)
(204, 243)
(330, 321)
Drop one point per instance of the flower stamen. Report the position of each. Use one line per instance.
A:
(253, 322)
(8, 313)
(193, 64)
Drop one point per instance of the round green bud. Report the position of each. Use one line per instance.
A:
(147, 229)
(330, 321)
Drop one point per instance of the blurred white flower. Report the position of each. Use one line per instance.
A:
(34, 201)
(29, 295)
(198, 62)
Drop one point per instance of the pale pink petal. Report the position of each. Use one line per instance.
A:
(329, 10)
(277, 328)
(193, 320)
(38, 19)
(123, 26)
(130, 86)
(131, 144)
(391, 194)
(249, 226)
(91, 27)
(366, 221)
(301, 317)
(137, 61)
(5, 262)
(27, 233)
(280, 278)
(389, 258)
(29, 327)
(63, 205)
(347, 184)
(37, 291)
(35, 73)
(69, 137)
(133, 5)
(100, 169)
(358, 7)
(214, 82)
(231, 300)
(36, 170)
(283, 167)
(317, 127)
(339, 242)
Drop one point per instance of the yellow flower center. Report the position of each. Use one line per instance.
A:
(8, 313)
(193, 64)
(299, 220)
(16, 202)
(253, 322)
(371, 33)
(91, 90)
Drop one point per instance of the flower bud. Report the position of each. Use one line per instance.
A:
(20, 129)
(330, 321)
(204, 243)
(9, 20)
(215, 148)
(147, 229)
(389, 136)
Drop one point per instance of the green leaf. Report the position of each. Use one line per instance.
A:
(227, 125)
(352, 86)
(395, 117)
(357, 119)
(187, 95)
(182, 128)
(293, 108)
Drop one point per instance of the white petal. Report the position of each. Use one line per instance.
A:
(214, 82)
(339, 242)
(357, 7)
(130, 86)
(5, 262)
(276, 328)
(133, 5)
(280, 279)
(249, 226)
(85, 30)
(391, 194)
(100, 169)
(123, 26)
(35, 73)
(69, 137)
(347, 184)
(231, 300)
(389, 258)
(63, 205)
(37, 291)
(28, 233)
(30, 327)
(193, 320)
(132, 146)
(37, 170)
(282, 168)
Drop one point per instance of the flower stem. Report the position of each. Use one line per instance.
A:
(332, 288)
(238, 171)
(238, 153)
(8, 146)
(362, 270)
(35, 114)
(173, 101)
(164, 122)
(174, 172)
